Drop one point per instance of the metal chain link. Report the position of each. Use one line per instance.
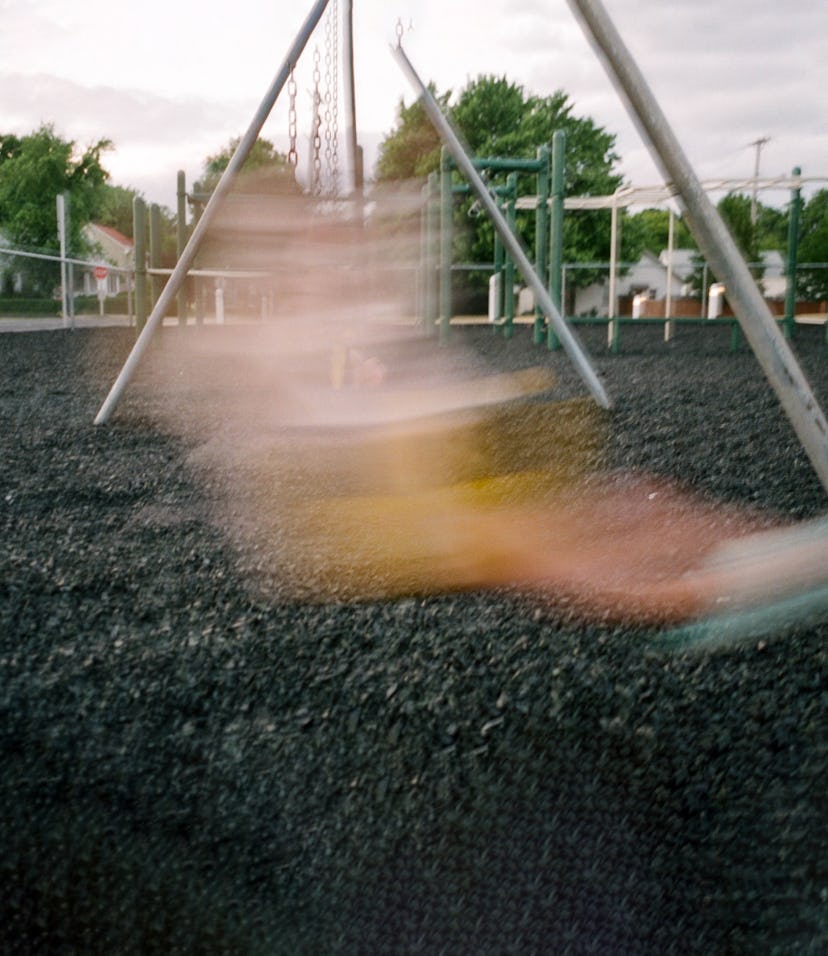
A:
(293, 156)
(331, 98)
(316, 184)
(334, 171)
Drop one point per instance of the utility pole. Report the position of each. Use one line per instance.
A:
(757, 144)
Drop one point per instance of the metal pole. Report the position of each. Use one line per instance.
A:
(181, 239)
(432, 228)
(139, 234)
(350, 97)
(613, 326)
(556, 274)
(446, 240)
(155, 251)
(61, 223)
(542, 236)
(509, 271)
(669, 326)
(772, 351)
(758, 143)
(793, 246)
(570, 343)
(222, 188)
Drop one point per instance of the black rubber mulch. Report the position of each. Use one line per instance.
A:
(190, 767)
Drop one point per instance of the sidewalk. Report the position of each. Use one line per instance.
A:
(29, 324)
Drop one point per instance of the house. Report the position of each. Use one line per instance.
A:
(774, 282)
(117, 252)
(649, 277)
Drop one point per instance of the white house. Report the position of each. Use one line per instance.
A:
(117, 251)
(650, 274)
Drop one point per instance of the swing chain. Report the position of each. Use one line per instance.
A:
(293, 156)
(316, 184)
(332, 96)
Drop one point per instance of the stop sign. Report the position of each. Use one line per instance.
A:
(101, 272)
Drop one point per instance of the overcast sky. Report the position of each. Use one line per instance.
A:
(171, 81)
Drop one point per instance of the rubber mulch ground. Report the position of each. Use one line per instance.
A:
(189, 766)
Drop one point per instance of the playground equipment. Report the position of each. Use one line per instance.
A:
(755, 319)
(717, 245)
(437, 265)
(660, 195)
(188, 254)
(503, 554)
(714, 240)
(510, 241)
(187, 258)
(436, 270)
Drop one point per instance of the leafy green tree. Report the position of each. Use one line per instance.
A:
(498, 118)
(650, 230)
(412, 150)
(34, 169)
(812, 283)
(9, 146)
(117, 208)
(771, 228)
(117, 211)
(264, 170)
(735, 210)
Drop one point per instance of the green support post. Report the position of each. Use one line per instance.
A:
(155, 250)
(422, 275)
(793, 250)
(139, 232)
(446, 214)
(509, 271)
(433, 213)
(542, 235)
(428, 261)
(614, 325)
(181, 241)
(499, 266)
(556, 214)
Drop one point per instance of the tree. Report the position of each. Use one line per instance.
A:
(412, 150)
(498, 118)
(735, 210)
(771, 228)
(650, 230)
(264, 170)
(812, 283)
(34, 169)
(117, 208)
(266, 177)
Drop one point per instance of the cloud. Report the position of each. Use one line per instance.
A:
(152, 135)
(89, 113)
(724, 71)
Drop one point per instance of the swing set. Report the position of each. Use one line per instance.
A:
(715, 243)
(717, 246)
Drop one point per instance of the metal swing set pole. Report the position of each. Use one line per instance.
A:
(758, 325)
(229, 175)
(571, 344)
